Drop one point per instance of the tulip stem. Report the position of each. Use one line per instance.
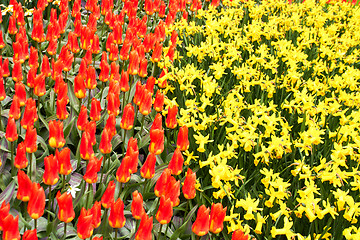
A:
(160, 232)
(65, 230)
(1, 129)
(157, 206)
(89, 193)
(88, 105)
(115, 233)
(120, 189)
(63, 182)
(142, 125)
(123, 145)
(35, 223)
(12, 159)
(103, 169)
(167, 227)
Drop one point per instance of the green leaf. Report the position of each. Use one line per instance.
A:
(8, 193)
(182, 229)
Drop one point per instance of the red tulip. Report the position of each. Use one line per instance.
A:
(20, 159)
(11, 228)
(79, 86)
(95, 111)
(201, 225)
(148, 169)
(24, 186)
(51, 174)
(161, 184)
(156, 141)
(108, 197)
(137, 208)
(239, 235)
(156, 56)
(105, 146)
(20, 92)
(82, 119)
(84, 225)
(159, 101)
(217, 216)
(30, 113)
(145, 228)
(56, 134)
(86, 148)
(123, 172)
(96, 212)
(36, 205)
(92, 169)
(171, 121)
(145, 103)
(127, 120)
(188, 188)
(66, 210)
(61, 112)
(182, 139)
(143, 68)
(30, 235)
(176, 162)
(4, 212)
(124, 81)
(165, 211)
(14, 111)
(116, 217)
(11, 130)
(134, 62)
(63, 158)
(30, 139)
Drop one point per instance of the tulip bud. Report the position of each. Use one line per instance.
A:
(51, 175)
(63, 158)
(36, 205)
(148, 169)
(145, 228)
(165, 211)
(137, 208)
(24, 186)
(116, 217)
(108, 197)
(217, 216)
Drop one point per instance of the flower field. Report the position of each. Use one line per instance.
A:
(179, 119)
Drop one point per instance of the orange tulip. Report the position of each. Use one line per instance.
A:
(148, 169)
(107, 198)
(127, 120)
(56, 134)
(51, 174)
(30, 139)
(159, 101)
(165, 211)
(84, 225)
(11, 228)
(137, 208)
(201, 225)
(188, 188)
(145, 228)
(11, 131)
(156, 141)
(24, 186)
(239, 235)
(20, 159)
(116, 217)
(171, 121)
(217, 216)
(92, 169)
(66, 210)
(63, 158)
(95, 111)
(30, 235)
(176, 162)
(82, 119)
(96, 212)
(36, 205)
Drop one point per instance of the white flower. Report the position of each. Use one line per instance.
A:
(73, 189)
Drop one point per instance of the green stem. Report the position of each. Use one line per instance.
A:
(64, 230)
(142, 125)
(120, 189)
(63, 181)
(123, 145)
(116, 234)
(167, 227)
(156, 208)
(1, 128)
(103, 169)
(35, 223)
(161, 228)
(12, 160)
(89, 99)
(89, 193)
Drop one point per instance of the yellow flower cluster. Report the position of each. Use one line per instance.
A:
(270, 92)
